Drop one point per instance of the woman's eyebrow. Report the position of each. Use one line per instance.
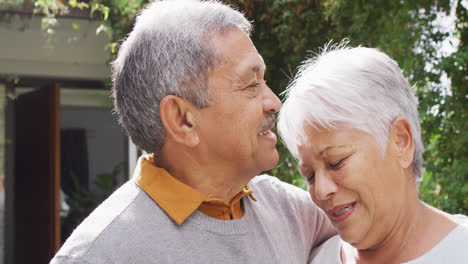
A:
(331, 147)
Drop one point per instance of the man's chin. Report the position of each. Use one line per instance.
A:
(270, 162)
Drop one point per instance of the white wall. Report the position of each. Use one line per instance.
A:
(77, 54)
(105, 141)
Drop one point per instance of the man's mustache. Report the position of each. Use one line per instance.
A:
(268, 123)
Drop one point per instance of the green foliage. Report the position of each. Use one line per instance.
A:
(287, 31)
(286, 170)
(445, 124)
(118, 17)
(9, 4)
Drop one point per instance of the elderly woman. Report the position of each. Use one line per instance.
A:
(351, 120)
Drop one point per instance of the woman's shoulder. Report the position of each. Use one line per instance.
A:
(461, 231)
(327, 252)
(460, 219)
(452, 248)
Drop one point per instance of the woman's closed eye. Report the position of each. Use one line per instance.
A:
(337, 164)
(311, 177)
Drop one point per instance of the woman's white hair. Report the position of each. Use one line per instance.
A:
(360, 88)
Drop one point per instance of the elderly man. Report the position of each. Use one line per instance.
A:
(189, 88)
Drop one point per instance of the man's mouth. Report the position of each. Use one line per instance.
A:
(266, 128)
(264, 133)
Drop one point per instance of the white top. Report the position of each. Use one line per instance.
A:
(328, 252)
(452, 249)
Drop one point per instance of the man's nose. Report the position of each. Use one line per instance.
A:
(271, 102)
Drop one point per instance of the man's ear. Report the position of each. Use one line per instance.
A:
(179, 121)
(402, 137)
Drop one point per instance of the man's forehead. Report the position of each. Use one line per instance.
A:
(241, 60)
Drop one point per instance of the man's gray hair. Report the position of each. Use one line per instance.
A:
(167, 53)
(360, 88)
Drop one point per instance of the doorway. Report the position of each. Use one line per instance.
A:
(46, 124)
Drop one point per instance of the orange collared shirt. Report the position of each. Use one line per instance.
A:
(179, 200)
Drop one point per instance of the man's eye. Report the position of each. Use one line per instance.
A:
(254, 85)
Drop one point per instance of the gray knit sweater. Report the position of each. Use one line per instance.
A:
(129, 227)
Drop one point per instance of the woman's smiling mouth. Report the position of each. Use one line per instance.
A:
(341, 213)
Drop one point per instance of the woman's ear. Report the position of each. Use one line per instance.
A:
(179, 121)
(402, 136)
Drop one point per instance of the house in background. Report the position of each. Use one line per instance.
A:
(57, 131)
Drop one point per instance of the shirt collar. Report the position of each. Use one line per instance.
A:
(177, 199)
